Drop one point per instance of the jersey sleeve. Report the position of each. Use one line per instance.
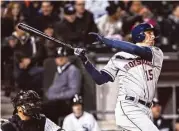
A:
(111, 68)
(157, 56)
(50, 126)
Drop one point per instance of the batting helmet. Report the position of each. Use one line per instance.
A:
(138, 34)
(62, 51)
(30, 102)
(77, 99)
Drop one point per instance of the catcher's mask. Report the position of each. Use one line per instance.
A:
(30, 102)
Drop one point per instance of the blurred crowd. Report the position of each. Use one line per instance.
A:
(71, 21)
(26, 58)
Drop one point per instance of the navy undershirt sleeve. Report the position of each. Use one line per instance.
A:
(143, 52)
(100, 77)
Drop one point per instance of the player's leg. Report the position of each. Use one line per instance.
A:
(131, 117)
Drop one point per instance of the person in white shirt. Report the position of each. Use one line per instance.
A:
(79, 120)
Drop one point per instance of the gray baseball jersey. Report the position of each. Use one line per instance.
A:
(136, 77)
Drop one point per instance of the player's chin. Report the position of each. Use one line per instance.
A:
(151, 43)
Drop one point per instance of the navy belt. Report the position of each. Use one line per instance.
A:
(148, 104)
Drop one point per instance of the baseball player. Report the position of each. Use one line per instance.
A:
(79, 120)
(27, 117)
(137, 68)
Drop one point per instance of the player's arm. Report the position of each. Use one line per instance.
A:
(100, 77)
(143, 52)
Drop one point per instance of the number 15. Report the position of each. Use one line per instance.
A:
(149, 74)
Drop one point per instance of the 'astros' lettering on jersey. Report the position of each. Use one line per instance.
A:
(136, 76)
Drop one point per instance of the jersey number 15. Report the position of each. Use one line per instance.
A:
(149, 74)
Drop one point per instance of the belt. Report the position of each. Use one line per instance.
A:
(148, 104)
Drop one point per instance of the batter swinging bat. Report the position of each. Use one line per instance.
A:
(30, 29)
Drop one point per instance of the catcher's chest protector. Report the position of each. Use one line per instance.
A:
(17, 125)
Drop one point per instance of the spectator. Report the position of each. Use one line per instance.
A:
(7, 60)
(31, 10)
(68, 29)
(46, 17)
(133, 16)
(49, 47)
(8, 50)
(79, 120)
(85, 20)
(137, 13)
(26, 44)
(66, 83)
(170, 31)
(25, 50)
(123, 3)
(93, 6)
(12, 16)
(159, 121)
(177, 125)
(110, 25)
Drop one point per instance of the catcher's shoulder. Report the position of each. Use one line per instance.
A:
(7, 126)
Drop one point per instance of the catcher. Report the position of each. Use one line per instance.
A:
(26, 115)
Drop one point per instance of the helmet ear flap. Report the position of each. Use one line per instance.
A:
(140, 37)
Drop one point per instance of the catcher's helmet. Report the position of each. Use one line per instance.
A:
(138, 34)
(77, 99)
(30, 102)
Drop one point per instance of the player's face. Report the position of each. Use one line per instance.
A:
(149, 38)
(136, 6)
(60, 61)
(80, 6)
(77, 109)
(156, 111)
(16, 9)
(46, 8)
(20, 113)
(49, 31)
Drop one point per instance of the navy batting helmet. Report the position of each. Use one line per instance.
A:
(77, 99)
(138, 34)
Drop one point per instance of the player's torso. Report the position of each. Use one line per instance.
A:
(136, 77)
(81, 124)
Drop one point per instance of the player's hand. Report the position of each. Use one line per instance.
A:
(81, 53)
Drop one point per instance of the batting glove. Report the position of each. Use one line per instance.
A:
(81, 53)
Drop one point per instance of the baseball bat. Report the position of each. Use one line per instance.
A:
(30, 29)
